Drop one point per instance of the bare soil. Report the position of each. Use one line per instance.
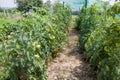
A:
(70, 64)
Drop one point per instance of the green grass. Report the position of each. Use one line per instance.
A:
(5, 21)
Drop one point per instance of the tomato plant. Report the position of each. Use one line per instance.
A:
(29, 44)
(99, 40)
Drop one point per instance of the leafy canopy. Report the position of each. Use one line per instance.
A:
(26, 5)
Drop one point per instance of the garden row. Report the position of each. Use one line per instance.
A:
(28, 45)
(100, 39)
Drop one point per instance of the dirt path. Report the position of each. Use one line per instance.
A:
(70, 64)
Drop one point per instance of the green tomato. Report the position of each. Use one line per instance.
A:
(37, 56)
(52, 37)
(38, 46)
(48, 30)
(34, 43)
(12, 33)
(9, 37)
(18, 47)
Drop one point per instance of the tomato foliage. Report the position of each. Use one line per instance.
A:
(100, 41)
(27, 46)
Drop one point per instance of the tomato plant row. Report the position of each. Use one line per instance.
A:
(27, 45)
(100, 39)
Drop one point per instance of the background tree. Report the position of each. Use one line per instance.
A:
(26, 5)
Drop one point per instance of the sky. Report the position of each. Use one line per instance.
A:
(7, 4)
(11, 3)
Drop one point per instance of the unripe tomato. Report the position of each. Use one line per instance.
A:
(52, 37)
(18, 46)
(38, 46)
(37, 56)
(9, 36)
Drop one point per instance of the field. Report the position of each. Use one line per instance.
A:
(40, 43)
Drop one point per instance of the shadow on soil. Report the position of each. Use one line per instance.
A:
(73, 32)
(83, 71)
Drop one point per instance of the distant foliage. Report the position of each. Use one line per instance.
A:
(100, 40)
(1, 10)
(88, 20)
(26, 5)
(63, 13)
